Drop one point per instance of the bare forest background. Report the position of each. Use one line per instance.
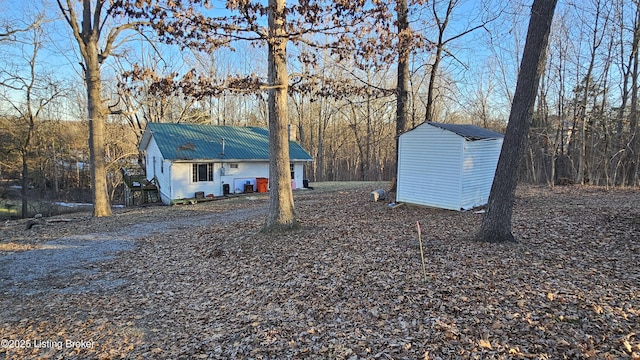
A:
(341, 109)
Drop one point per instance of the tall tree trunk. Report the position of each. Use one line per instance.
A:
(361, 160)
(87, 29)
(627, 66)
(24, 151)
(496, 225)
(620, 143)
(319, 163)
(429, 112)
(56, 175)
(281, 210)
(633, 157)
(369, 141)
(402, 89)
(633, 119)
(596, 41)
(97, 119)
(25, 185)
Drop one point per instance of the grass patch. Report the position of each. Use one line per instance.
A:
(13, 208)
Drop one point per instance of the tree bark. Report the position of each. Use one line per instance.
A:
(319, 163)
(281, 214)
(634, 142)
(402, 89)
(633, 119)
(25, 185)
(97, 120)
(496, 225)
(627, 67)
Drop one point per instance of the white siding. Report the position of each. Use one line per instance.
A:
(160, 168)
(184, 187)
(429, 167)
(478, 169)
(299, 174)
(246, 171)
(182, 184)
(249, 171)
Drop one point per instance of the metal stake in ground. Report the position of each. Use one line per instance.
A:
(424, 269)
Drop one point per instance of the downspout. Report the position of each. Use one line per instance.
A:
(222, 168)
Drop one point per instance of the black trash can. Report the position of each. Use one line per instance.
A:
(305, 183)
(225, 189)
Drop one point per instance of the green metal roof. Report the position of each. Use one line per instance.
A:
(204, 142)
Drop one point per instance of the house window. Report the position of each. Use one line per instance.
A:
(202, 172)
(232, 168)
(293, 173)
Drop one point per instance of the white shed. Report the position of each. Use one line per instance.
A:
(447, 166)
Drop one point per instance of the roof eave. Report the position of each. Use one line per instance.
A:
(231, 160)
(145, 140)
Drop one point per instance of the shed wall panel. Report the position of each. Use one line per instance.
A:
(429, 167)
(479, 167)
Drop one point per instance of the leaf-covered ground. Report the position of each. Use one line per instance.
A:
(347, 285)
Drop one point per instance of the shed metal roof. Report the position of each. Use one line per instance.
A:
(205, 142)
(470, 132)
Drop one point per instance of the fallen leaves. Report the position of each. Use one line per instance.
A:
(349, 284)
(485, 344)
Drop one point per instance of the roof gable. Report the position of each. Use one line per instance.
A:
(209, 142)
(469, 132)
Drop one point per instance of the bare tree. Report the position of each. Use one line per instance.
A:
(95, 45)
(496, 224)
(31, 91)
(597, 34)
(9, 30)
(441, 43)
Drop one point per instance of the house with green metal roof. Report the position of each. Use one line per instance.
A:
(191, 161)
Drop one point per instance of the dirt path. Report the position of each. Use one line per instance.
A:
(72, 264)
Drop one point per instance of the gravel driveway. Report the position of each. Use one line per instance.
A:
(73, 264)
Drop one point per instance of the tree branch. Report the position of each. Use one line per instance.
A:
(113, 35)
(70, 15)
